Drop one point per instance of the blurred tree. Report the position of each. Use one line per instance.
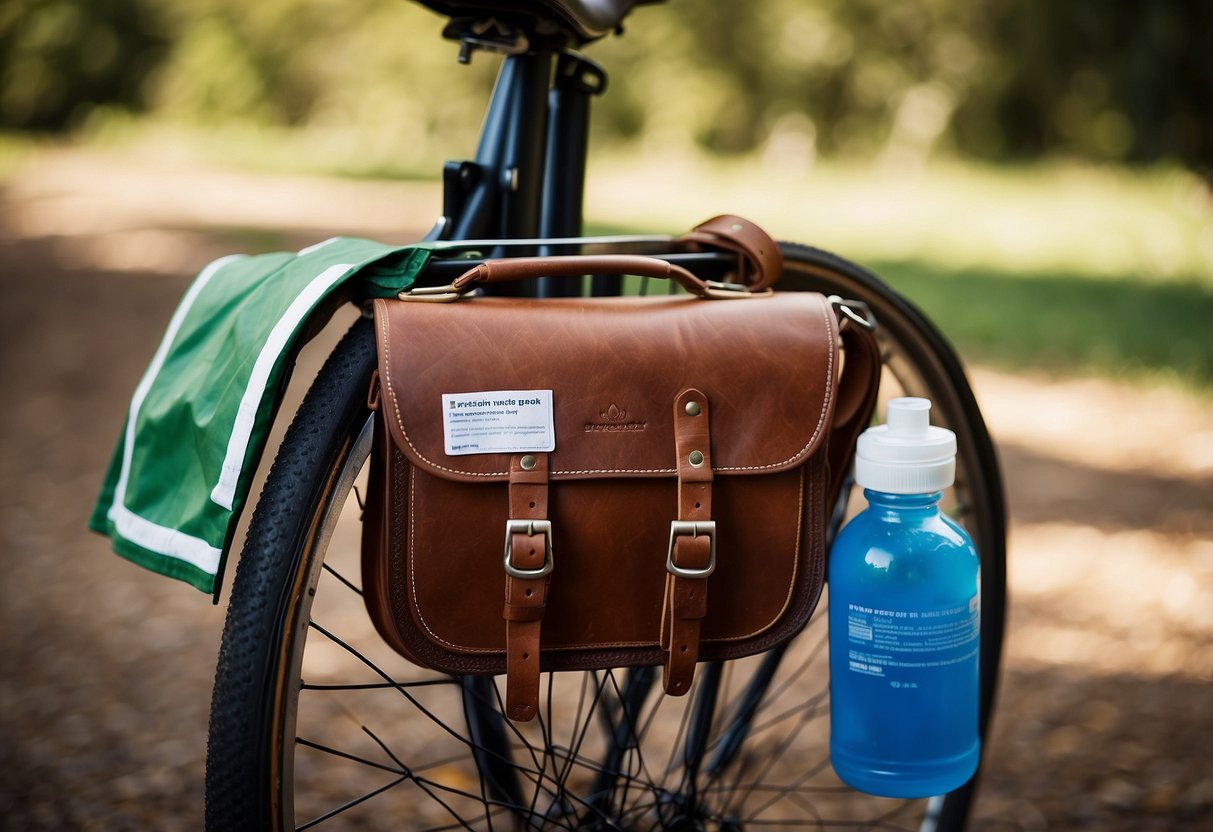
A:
(374, 72)
(61, 58)
(993, 79)
(1114, 81)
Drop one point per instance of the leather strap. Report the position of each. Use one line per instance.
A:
(759, 260)
(525, 598)
(517, 268)
(858, 385)
(692, 544)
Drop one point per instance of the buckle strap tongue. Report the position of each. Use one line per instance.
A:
(679, 528)
(528, 566)
(528, 530)
(692, 553)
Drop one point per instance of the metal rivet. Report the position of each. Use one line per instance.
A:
(693, 409)
(527, 462)
(695, 458)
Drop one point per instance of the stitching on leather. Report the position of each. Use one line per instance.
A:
(413, 574)
(787, 601)
(825, 407)
(825, 404)
(620, 471)
(464, 649)
(387, 368)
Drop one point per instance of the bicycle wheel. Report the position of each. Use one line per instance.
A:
(316, 723)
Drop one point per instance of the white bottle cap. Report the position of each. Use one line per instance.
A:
(907, 455)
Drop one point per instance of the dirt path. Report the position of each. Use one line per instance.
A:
(1106, 707)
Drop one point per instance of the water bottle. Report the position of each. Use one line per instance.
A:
(904, 619)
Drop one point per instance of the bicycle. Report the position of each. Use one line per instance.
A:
(291, 741)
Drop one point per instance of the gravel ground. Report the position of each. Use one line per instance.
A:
(1105, 710)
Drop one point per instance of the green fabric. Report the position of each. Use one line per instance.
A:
(199, 418)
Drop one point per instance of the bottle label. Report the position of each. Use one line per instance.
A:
(896, 644)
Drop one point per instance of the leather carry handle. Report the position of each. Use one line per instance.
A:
(519, 268)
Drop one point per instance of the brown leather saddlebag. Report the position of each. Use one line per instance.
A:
(596, 482)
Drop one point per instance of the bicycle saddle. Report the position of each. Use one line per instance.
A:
(585, 20)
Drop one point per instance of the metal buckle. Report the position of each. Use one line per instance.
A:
(718, 290)
(680, 528)
(529, 527)
(431, 294)
(723, 286)
(848, 308)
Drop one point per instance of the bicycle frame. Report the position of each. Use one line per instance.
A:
(528, 177)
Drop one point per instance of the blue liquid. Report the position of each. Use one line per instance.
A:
(904, 625)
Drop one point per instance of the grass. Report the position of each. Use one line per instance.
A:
(349, 153)
(15, 149)
(1061, 268)
(1067, 324)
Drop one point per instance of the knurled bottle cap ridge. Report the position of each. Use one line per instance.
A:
(907, 455)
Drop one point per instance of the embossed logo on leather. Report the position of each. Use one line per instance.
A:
(614, 420)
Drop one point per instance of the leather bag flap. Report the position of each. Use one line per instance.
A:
(768, 366)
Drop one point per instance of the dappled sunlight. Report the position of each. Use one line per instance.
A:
(1128, 602)
(1114, 426)
(1111, 549)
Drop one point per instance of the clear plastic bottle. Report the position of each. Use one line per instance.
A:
(904, 619)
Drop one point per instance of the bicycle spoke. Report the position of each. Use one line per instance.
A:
(403, 691)
(739, 727)
(807, 806)
(579, 731)
(351, 804)
(348, 756)
(554, 786)
(386, 750)
(622, 738)
(773, 758)
(777, 793)
(577, 735)
(805, 664)
(344, 580)
(626, 742)
(380, 685)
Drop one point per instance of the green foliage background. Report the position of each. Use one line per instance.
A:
(987, 79)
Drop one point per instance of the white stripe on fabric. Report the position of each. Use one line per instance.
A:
(280, 336)
(318, 246)
(155, 538)
(165, 541)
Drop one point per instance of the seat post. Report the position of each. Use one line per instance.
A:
(503, 198)
(525, 142)
(577, 80)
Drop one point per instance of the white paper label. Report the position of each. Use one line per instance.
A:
(498, 422)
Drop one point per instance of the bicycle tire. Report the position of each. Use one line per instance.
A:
(259, 761)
